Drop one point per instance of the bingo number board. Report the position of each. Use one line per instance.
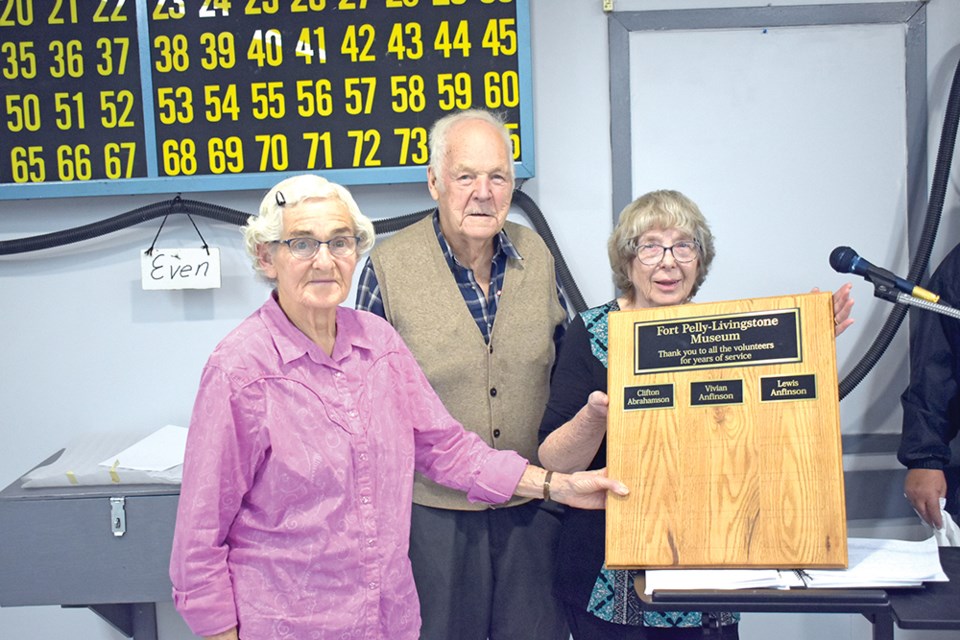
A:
(108, 97)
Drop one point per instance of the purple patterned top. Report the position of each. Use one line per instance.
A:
(294, 514)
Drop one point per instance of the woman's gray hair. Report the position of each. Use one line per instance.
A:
(440, 131)
(268, 225)
(658, 210)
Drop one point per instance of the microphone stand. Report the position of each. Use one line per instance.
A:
(886, 288)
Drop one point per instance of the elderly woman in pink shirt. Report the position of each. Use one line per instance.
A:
(309, 422)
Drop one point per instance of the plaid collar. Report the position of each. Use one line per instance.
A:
(501, 243)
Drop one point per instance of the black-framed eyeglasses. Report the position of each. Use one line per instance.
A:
(651, 254)
(306, 248)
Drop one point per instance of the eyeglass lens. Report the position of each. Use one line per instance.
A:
(650, 254)
(306, 248)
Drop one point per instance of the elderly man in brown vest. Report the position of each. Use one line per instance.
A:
(477, 300)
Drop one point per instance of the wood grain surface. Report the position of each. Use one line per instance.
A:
(749, 484)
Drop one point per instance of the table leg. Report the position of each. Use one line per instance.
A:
(882, 625)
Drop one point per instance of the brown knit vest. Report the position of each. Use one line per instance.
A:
(499, 390)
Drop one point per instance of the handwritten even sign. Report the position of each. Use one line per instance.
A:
(166, 269)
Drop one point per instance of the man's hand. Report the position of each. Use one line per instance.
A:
(924, 488)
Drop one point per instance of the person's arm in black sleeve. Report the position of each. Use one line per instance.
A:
(931, 402)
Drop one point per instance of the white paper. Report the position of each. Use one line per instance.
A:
(872, 562)
(879, 562)
(720, 579)
(949, 534)
(161, 450)
(79, 463)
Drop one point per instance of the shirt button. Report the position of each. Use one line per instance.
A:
(365, 500)
(371, 542)
(372, 585)
(496, 433)
(493, 392)
(363, 457)
(352, 413)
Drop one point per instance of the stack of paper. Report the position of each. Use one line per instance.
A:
(162, 449)
(143, 458)
(721, 579)
(872, 563)
(883, 563)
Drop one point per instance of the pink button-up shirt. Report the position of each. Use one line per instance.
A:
(294, 513)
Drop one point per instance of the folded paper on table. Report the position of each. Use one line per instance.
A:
(78, 464)
(874, 562)
(161, 450)
(884, 563)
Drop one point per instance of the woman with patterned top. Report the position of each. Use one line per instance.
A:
(660, 252)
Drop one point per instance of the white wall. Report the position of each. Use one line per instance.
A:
(87, 350)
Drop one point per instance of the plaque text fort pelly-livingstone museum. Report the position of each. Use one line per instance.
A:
(720, 341)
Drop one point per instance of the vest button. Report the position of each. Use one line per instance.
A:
(493, 392)
(496, 433)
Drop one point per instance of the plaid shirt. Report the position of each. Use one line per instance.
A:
(482, 308)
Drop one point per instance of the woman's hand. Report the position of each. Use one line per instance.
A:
(585, 489)
(574, 444)
(230, 634)
(596, 410)
(842, 306)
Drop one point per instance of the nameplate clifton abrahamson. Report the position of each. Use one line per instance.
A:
(724, 422)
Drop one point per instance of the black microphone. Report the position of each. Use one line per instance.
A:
(846, 260)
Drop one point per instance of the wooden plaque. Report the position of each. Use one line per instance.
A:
(724, 422)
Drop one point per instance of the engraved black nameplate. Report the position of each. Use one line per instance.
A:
(795, 387)
(650, 396)
(716, 392)
(711, 342)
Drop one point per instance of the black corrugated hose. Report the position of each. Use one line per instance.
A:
(122, 221)
(938, 191)
(239, 218)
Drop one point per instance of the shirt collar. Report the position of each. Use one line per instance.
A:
(501, 242)
(291, 343)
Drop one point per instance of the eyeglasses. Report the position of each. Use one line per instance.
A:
(307, 248)
(652, 254)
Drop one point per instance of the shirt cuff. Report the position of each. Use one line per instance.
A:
(498, 479)
(208, 610)
(927, 463)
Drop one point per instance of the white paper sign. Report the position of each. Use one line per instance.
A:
(180, 269)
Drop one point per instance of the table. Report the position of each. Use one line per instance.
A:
(933, 606)
(58, 547)
(937, 605)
